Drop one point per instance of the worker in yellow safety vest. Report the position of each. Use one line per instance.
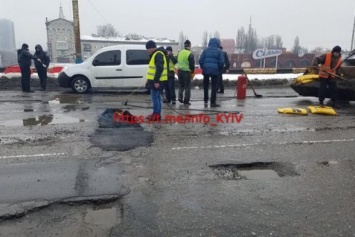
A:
(157, 76)
(170, 94)
(329, 65)
(186, 68)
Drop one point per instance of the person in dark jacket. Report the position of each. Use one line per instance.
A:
(329, 65)
(42, 66)
(220, 85)
(170, 86)
(157, 75)
(211, 62)
(186, 69)
(24, 58)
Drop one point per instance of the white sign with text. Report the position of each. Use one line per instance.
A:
(266, 53)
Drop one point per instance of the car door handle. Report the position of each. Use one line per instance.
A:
(119, 69)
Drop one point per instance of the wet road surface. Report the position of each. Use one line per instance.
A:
(267, 174)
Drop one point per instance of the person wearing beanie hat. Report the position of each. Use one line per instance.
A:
(186, 72)
(170, 85)
(187, 44)
(336, 49)
(150, 45)
(328, 65)
(157, 75)
(24, 58)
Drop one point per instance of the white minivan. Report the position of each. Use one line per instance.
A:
(113, 68)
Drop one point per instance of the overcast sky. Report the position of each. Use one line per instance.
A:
(323, 23)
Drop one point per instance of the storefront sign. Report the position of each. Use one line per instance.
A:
(266, 53)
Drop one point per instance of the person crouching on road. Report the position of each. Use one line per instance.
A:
(170, 86)
(328, 69)
(24, 58)
(42, 66)
(157, 76)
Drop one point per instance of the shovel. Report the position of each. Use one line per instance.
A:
(255, 94)
(336, 76)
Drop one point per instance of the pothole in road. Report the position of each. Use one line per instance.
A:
(328, 163)
(66, 220)
(118, 130)
(254, 170)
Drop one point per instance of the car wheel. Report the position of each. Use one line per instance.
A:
(80, 85)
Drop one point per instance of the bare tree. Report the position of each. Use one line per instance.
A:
(241, 39)
(182, 39)
(107, 30)
(296, 45)
(318, 50)
(271, 42)
(278, 42)
(252, 40)
(247, 42)
(204, 40)
(133, 36)
(217, 35)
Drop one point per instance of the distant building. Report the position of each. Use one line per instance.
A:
(228, 45)
(90, 44)
(7, 35)
(286, 60)
(60, 39)
(7, 43)
(61, 46)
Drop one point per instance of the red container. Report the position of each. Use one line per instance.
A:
(242, 87)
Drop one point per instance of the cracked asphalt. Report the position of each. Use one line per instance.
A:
(270, 174)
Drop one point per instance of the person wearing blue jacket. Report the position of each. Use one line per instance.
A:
(211, 62)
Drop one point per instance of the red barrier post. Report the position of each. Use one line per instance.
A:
(242, 87)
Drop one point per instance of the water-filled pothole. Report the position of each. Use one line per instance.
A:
(66, 220)
(254, 170)
(119, 131)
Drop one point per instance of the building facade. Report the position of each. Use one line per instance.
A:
(61, 44)
(7, 43)
(7, 35)
(286, 60)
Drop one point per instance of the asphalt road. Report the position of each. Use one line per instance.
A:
(63, 172)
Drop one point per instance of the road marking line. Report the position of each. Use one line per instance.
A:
(258, 144)
(36, 155)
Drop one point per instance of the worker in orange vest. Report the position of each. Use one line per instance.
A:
(329, 65)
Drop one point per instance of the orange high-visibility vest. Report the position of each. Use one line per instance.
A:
(325, 68)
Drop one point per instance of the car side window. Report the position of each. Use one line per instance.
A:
(137, 57)
(109, 58)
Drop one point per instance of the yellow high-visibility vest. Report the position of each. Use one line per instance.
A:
(152, 68)
(183, 60)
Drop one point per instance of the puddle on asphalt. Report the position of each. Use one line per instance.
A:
(66, 220)
(328, 163)
(258, 174)
(254, 171)
(42, 120)
(66, 99)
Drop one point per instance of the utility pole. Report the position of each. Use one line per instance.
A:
(352, 39)
(78, 58)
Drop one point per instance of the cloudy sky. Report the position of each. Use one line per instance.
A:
(323, 23)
